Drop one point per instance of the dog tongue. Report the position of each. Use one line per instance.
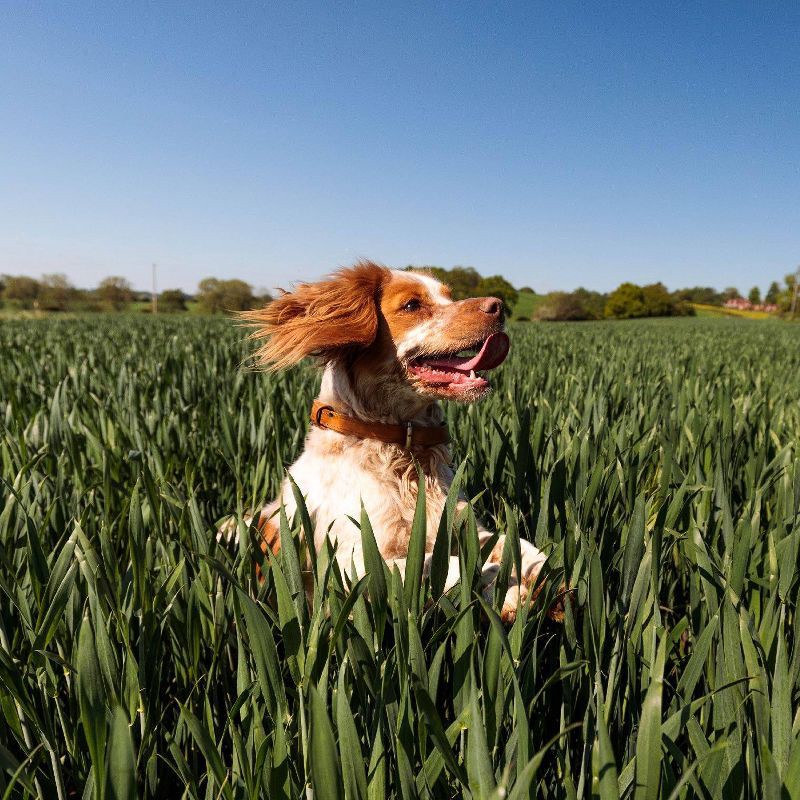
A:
(491, 355)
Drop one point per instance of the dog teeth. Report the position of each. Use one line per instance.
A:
(472, 373)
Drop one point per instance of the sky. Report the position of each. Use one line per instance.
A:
(558, 144)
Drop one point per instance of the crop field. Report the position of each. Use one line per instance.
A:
(658, 461)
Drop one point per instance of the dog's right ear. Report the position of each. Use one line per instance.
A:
(321, 319)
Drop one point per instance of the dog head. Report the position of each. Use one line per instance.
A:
(396, 334)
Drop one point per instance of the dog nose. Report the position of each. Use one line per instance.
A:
(491, 305)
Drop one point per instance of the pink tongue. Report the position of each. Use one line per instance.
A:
(491, 355)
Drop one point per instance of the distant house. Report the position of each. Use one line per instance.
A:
(741, 304)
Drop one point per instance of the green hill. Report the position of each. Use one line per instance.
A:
(526, 304)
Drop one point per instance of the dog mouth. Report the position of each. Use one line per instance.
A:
(456, 372)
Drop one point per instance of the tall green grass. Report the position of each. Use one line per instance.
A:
(658, 461)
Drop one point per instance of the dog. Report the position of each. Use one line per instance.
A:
(389, 342)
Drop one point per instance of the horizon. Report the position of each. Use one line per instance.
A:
(559, 147)
(260, 290)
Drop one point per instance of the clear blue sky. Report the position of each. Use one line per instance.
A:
(556, 143)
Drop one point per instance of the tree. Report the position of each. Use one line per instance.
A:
(773, 293)
(172, 300)
(789, 299)
(754, 296)
(21, 291)
(657, 301)
(700, 294)
(497, 286)
(215, 296)
(562, 307)
(730, 293)
(593, 303)
(57, 293)
(261, 298)
(527, 289)
(114, 292)
(626, 302)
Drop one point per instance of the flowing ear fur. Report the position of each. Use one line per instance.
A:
(321, 318)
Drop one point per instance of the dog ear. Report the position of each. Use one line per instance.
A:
(320, 319)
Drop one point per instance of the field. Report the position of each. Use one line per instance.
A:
(705, 310)
(659, 461)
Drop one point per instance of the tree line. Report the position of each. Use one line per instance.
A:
(55, 292)
(630, 300)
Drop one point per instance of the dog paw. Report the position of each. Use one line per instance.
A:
(517, 595)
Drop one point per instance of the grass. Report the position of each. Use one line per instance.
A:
(658, 461)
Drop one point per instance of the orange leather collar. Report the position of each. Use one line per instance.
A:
(407, 436)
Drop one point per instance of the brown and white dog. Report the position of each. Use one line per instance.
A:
(389, 342)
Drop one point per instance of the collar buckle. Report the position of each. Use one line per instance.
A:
(318, 415)
(409, 434)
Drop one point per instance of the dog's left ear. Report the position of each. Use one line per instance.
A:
(320, 319)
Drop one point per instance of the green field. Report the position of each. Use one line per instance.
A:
(659, 461)
(705, 310)
(526, 304)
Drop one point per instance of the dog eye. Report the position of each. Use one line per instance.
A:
(412, 305)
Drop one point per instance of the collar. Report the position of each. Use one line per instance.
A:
(406, 435)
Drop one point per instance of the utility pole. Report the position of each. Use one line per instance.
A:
(796, 289)
(154, 296)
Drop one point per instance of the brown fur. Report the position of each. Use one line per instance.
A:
(321, 318)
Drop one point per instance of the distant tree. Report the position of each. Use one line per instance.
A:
(172, 300)
(564, 307)
(754, 296)
(700, 294)
(21, 291)
(730, 293)
(57, 293)
(628, 301)
(593, 303)
(786, 301)
(114, 293)
(773, 293)
(527, 289)
(216, 296)
(625, 302)
(261, 298)
(463, 282)
(497, 286)
(467, 282)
